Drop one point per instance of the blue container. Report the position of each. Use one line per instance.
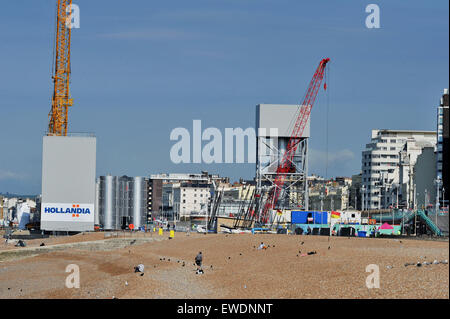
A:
(299, 217)
(362, 233)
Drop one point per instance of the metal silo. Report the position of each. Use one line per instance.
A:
(108, 202)
(97, 202)
(139, 207)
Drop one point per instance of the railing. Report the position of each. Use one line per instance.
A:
(429, 223)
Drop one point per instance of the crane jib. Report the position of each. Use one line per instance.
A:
(286, 163)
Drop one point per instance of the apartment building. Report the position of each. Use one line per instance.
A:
(387, 166)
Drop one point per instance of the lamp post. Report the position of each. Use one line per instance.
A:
(321, 201)
(443, 197)
(363, 189)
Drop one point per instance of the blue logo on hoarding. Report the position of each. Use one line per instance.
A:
(76, 211)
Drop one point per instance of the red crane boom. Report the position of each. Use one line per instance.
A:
(286, 164)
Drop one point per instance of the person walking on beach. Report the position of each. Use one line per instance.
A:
(198, 261)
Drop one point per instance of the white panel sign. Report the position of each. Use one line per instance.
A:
(74, 212)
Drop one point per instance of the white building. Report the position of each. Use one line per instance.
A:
(191, 199)
(387, 166)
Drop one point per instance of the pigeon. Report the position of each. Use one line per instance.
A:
(133, 242)
(419, 264)
(302, 243)
(142, 274)
(329, 247)
(297, 255)
(126, 283)
(168, 259)
(273, 246)
(435, 262)
(240, 254)
(444, 261)
(42, 244)
(229, 257)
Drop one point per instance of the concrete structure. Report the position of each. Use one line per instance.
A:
(423, 178)
(155, 187)
(274, 124)
(191, 199)
(443, 147)
(387, 166)
(68, 183)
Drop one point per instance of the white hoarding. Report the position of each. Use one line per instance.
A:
(63, 212)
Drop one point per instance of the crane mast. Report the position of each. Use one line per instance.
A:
(286, 164)
(61, 101)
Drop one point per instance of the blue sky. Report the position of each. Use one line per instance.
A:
(142, 68)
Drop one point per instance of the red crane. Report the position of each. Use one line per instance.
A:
(286, 164)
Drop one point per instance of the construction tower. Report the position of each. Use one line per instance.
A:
(61, 101)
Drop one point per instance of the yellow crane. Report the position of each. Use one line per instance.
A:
(61, 101)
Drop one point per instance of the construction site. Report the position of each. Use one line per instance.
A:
(282, 235)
